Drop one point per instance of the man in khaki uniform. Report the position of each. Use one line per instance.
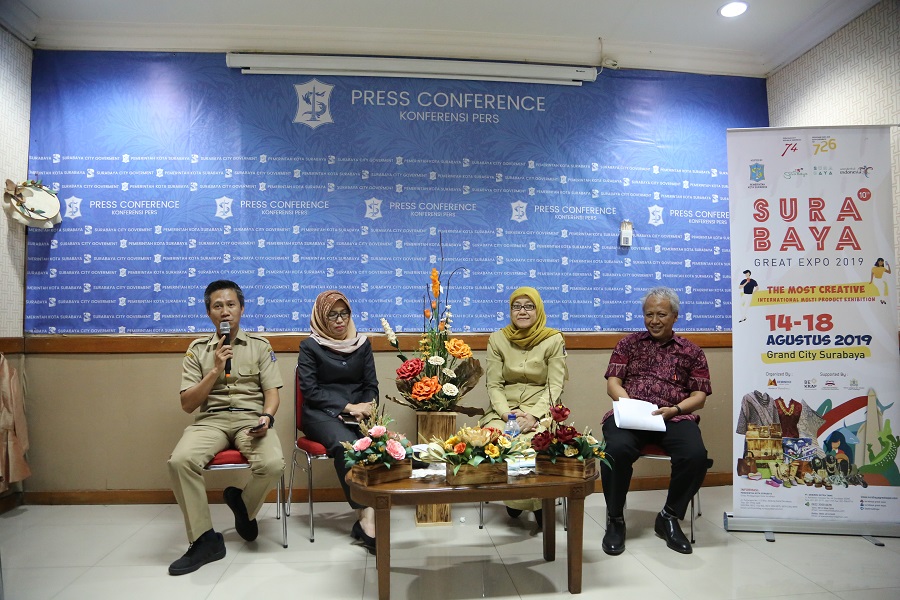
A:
(235, 386)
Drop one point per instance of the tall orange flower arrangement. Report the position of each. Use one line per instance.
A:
(443, 370)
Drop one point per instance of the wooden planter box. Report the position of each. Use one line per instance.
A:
(378, 473)
(483, 473)
(566, 467)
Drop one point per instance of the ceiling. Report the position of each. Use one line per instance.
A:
(686, 35)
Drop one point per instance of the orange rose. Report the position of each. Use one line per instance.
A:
(442, 325)
(433, 304)
(458, 348)
(427, 313)
(425, 388)
(459, 448)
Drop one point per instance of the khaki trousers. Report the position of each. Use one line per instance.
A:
(200, 442)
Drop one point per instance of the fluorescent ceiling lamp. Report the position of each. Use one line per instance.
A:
(363, 66)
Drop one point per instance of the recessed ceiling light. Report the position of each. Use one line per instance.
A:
(733, 9)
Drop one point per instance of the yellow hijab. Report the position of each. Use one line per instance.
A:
(537, 333)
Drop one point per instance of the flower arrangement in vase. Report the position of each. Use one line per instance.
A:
(560, 448)
(444, 369)
(380, 455)
(480, 453)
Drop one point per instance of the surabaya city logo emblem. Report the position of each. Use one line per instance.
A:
(313, 103)
(757, 172)
(519, 211)
(656, 215)
(73, 207)
(373, 208)
(223, 207)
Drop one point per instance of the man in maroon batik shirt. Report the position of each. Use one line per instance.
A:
(660, 367)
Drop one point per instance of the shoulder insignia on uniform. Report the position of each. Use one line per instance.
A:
(272, 354)
(203, 340)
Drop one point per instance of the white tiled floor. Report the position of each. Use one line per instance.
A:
(116, 552)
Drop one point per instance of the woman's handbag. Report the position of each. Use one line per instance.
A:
(746, 465)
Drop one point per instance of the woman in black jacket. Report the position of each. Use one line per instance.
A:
(340, 387)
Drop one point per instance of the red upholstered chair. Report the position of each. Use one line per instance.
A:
(654, 452)
(310, 449)
(231, 459)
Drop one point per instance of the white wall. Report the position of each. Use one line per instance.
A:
(15, 109)
(851, 78)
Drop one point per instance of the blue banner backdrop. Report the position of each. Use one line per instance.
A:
(174, 170)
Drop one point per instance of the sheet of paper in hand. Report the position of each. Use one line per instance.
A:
(635, 414)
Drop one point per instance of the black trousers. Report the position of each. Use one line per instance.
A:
(681, 440)
(330, 434)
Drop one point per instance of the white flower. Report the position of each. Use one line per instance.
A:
(449, 389)
(392, 337)
(435, 360)
(449, 373)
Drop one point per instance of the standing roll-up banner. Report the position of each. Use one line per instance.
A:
(816, 361)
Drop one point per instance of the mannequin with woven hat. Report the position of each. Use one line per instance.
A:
(525, 373)
(340, 388)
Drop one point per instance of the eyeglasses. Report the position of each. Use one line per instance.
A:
(334, 316)
(525, 307)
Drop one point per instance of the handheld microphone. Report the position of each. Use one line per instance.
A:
(225, 329)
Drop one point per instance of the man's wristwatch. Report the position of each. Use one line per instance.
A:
(678, 408)
(271, 419)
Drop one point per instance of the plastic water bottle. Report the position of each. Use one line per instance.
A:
(512, 426)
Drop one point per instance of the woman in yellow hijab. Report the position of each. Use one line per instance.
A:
(525, 372)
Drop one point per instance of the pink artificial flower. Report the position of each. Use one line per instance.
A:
(396, 450)
(378, 431)
(362, 444)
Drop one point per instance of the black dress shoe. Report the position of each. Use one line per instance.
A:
(208, 548)
(513, 512)
(668, 529)
(367, 541)
(614, 538)
(246, 528)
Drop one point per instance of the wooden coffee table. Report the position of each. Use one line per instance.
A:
(435, 490)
